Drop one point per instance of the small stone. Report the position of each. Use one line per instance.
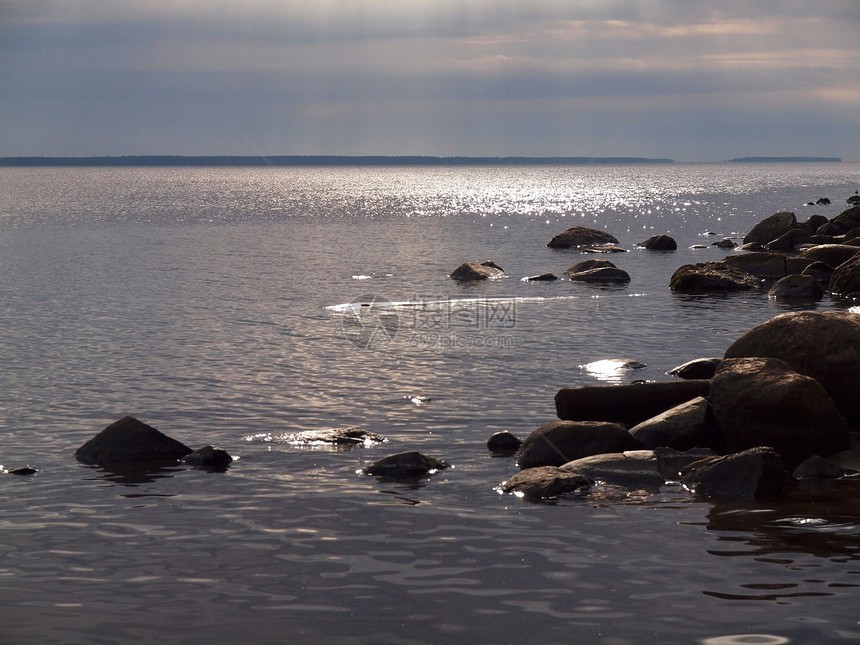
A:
(504, 443)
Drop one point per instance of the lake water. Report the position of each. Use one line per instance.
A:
(213, 304)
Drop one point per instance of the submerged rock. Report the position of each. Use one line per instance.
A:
(817, 467)
(209, 457)
(545, 482)
(349, 436)
(130, 440)
(754, 473)
(797, 287)
(405, 465)
(542, 277)
(504, 443)
(475, 271)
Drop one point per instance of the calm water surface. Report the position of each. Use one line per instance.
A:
(213, 305)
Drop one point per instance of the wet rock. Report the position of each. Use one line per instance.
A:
(832, 254)
(659, 243)
(672, 461)
(725, 244)
(688, 425)
(823, 201)
(790, 240)
(349, 436)
(762, 264)
(558, 442)
(797, 287)
(405, 465)
(475, 271)
(771, 228)
(607, 248)
(754, 473)
(854, 199)
(130, 440)
(698, 368)
(23, 471)
(545, 482)
(588, 265)
(763, 402)
(629, 404)
(821, 272)
(848, 219)
(503, 443)
(817, 467)
(845, 279)
(211, 457)
(823, 345)
(581, 236)
(711, 277)
(542, 277)
(602, 274)
(634, 469)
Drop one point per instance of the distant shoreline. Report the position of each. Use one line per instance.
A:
(784, 159)
(316, 160)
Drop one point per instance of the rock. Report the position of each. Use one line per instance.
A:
(672, 462)
(822, 201)
(475, 271)
(588, 265)
(23, 471)
(752, 247)
(760, 264)
(754, 473)
(816, 221)
(602, 274)
(854, 199)
(823, 345)
(828, 230)
(821, 272)
(848, 219)
(208, 457)
(817, 467)
(629, 404)
(558, 442)
(542, 277)
(130, 440)
(545, 482)
(405, 465)
(696, 369)
(659, 243)
(763, 402)
(789, 240)
(634, 469)
(711, 277)
(581, 236)
(348, 436)
(607, 248)
(686, 426)
(771, 228)
(797, 287)
(845, 279)
(503, 443)
(832, 254)
(725, 244)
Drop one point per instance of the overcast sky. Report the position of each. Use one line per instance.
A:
(693, 80)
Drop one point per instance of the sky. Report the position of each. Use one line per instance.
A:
(691, 80)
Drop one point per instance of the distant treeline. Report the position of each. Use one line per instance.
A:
(312, 160)
(781, 159)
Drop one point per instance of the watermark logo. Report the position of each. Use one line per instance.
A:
(430, 321)
(370, 321)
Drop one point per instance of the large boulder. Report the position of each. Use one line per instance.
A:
(558, 442)
(771, 228)
(763, 402)
(130, 440)
(845, 279)
(545, 482)
(628, 404)
(823, 345)
(848, 219)
(711, 277)
(581, 236)
(686, 426)
(797, 287)
(475, 271)
(754, 473)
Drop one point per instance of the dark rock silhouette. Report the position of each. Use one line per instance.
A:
(130, 440)
(405, 465)
(754, 473)
(475, 271)
(558, 442)
(581, 236)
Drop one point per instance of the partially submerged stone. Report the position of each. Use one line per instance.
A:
(754, 473)
(581, 236)
(504, 443)
(405, 465)
(688, 425)
(817, 467)
(545, 482)
(659, 242)
(541, 277)
(709, 277)
(348, 436)
(771, 228)
(797, 287)
(634, 469)
(208, 457)
(477, 271)
(129, 440)
(698, 368)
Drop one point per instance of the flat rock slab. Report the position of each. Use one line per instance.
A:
(545, 482)
(629, 404)
(635, 469)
